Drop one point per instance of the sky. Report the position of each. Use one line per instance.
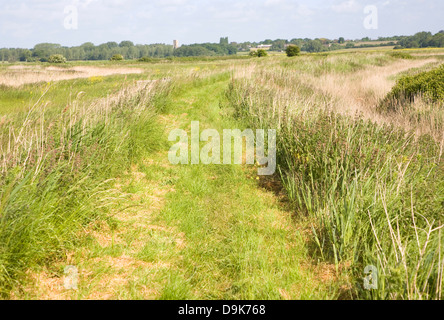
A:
(24, 23)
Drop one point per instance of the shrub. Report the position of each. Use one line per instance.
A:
(258, 53)
(116, 57)
(401, 55)
(146, 59)
(293, 50)
(57, 58)
(262, 53)
(429, 85)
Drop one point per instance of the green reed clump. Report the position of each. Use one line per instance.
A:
(374, 194)
(428, 85)
(401, 55)
(321, 64)
(56, 175)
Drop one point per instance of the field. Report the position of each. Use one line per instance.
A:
(86, 180)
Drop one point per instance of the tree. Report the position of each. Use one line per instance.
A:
(88, 46)
(112, 44)
(341, 40)
(293, 50)
(42, 51)
(193, 51)
(25, 55)
(253, 53)
(278, 45)
(312, 46)
(126, 43)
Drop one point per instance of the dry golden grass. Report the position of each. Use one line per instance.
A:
(357, 92)
(362, 91)
(16, 76)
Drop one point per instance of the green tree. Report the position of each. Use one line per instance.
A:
(312, 46)
(112, 44)
(88, 46)
(293, 50)
(25, 55)
(341, 40)
(278, 45)
(126, 43)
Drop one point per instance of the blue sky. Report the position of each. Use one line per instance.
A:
(24, 23)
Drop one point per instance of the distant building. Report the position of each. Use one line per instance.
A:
(264, 46)
(176, 44)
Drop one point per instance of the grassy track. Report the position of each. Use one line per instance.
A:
(202, 232)
(87, 182)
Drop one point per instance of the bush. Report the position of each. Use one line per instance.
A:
(429, 85)
(400, 55)
(293, 51)
(146, 59)
(253, 53)
(57, 58)
(116, 57)
(262, 53)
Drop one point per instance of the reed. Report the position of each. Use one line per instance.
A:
(372, 189)
(57, 167)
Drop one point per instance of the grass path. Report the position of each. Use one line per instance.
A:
(190, 232)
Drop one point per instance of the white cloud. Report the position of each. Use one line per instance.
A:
(27, 22)
(349, 6)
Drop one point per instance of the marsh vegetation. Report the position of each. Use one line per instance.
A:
(85, 178)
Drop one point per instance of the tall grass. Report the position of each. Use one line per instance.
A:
(373, 192)
(56, 167)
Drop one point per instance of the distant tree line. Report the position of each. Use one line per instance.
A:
(87, 51)
(423, 40)
(315, 45)
(206, 49)
(128, 50)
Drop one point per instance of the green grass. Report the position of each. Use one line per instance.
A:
(238, 241)
(93, 188)
(57, 178)
(62, 93)
(232, 239)
(374, 193)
